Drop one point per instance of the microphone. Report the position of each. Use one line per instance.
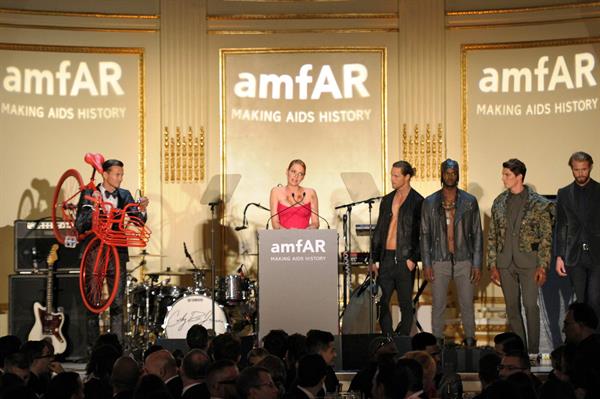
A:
(244, 219)
(187, 255)
(286, 209)
(313, 212)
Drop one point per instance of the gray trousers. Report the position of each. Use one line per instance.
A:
(443, 273)
(519, 283)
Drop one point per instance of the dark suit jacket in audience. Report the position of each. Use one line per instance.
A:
(199, 391)
(175, 386)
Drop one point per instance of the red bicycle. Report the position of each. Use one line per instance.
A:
(99, 269)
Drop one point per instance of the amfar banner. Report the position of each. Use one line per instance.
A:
(58, 102)
(526, 96)
(322, 105)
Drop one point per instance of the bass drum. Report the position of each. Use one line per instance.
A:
(190, 310)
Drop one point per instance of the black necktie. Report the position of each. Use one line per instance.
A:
(108, 194)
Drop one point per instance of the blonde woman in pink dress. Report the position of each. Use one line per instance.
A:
(294, 206)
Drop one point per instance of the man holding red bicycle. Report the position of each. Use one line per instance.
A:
(112, 196)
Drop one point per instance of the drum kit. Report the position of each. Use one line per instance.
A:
(158, 308)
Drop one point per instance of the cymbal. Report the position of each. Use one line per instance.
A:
(167, 273)
(145, 254)
(198, 269)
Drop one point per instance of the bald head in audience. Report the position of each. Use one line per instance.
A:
(125, 375)
(162, 364)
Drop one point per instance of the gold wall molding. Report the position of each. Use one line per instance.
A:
(254, 17)
(424, 150)
(89, 14)
(521, 23)
(515, 10)
(300, 31)
(183, 159)
(77, 28)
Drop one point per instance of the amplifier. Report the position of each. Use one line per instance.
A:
(33, 240)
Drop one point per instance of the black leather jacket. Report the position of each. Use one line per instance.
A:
(468, 237)
(407, 235)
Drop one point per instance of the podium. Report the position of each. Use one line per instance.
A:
(298, 281)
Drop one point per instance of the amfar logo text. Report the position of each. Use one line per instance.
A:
(514, 79)
(63, 82)
(269, 86)
(302, 246)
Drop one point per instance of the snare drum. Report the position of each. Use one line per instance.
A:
(232, 289)
(190, 310)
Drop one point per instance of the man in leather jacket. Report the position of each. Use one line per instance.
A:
(451, 249)
(396, 247)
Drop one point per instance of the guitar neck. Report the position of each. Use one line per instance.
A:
(50, 288)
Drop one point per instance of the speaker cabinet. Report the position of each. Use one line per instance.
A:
(33, 240)
(25, 290)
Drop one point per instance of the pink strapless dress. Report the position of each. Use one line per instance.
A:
(294, 217)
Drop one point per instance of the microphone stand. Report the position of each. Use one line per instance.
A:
(347, 218)
(244, 219)
(213, 205)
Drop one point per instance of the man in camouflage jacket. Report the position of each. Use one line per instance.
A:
(519, 249)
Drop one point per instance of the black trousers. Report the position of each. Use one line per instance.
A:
(585, 279)
(394, 275)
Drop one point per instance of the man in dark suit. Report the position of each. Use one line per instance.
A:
(578, 231)
(193, 374)
(124, 377)
(162, 363)
(311, 376)
(396, 247)
(109, 191)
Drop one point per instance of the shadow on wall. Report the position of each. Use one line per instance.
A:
(35, 204)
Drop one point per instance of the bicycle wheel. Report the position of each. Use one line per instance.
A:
(99, 275)
(64, 205)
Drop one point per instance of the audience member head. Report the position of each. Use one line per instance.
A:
(109, 339)
(256, 355)
(414, 374)
(427, 342)
(513, 362)
(276, 342)
(17, 364)
(66, 385)
(256, 383)
(102, 359)
(125, 375)
(311, 371)
(524, 385)
(151, 349)
(380, 345)
(488, 369)
(40, 354)
(559, 369)
(194, 366)
(428, 365)
(9, 344)
(226, 347)
(151, 386)
(390, 380)
(580, 322)
(276, 368)
(508, 342)
(296, 349)
(197, 337)
(221, 378)
(321, 342)
(161, 363)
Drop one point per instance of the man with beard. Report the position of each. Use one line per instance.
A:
(519, 246)
(577, 227)
(451, 248)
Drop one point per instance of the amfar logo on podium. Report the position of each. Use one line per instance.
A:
(300, 246)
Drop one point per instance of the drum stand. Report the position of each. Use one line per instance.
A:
(213, 206)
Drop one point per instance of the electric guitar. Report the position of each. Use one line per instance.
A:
(48, 323)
